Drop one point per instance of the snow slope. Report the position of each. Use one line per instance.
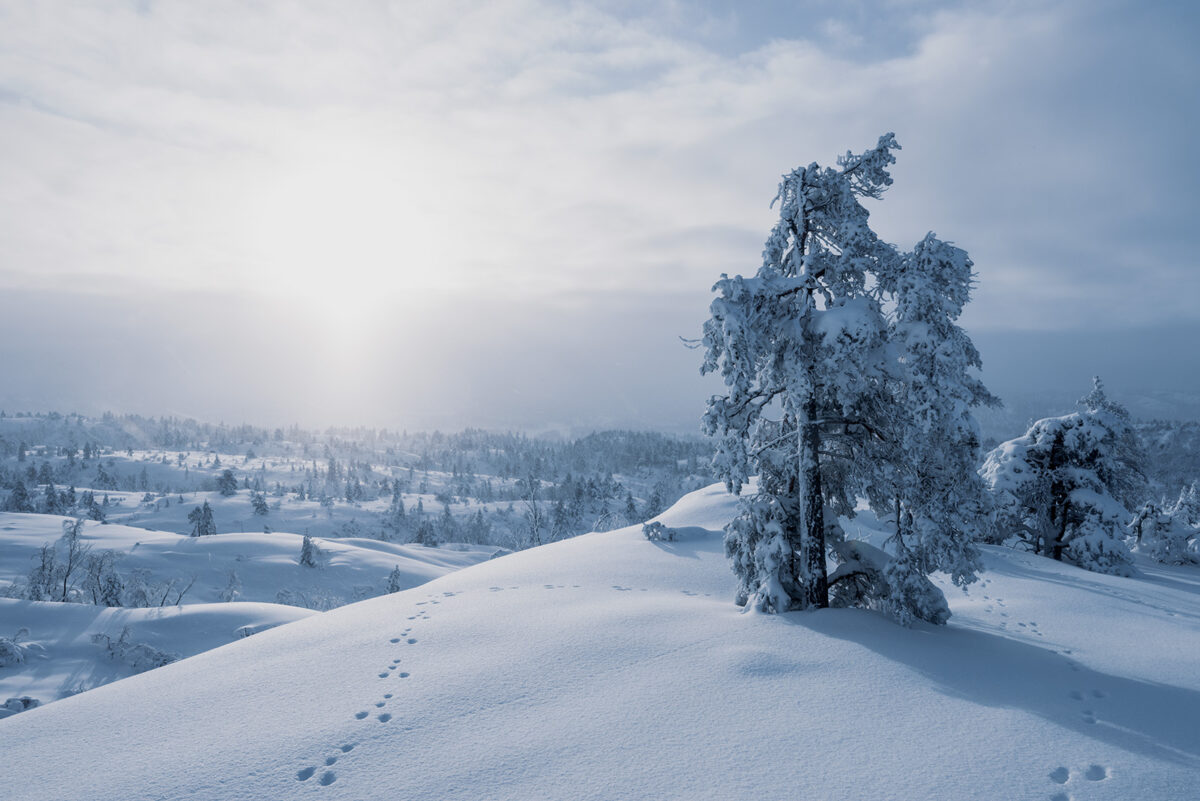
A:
(66, 659)
(608, 666)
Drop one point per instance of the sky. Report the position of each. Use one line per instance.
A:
(507, 214)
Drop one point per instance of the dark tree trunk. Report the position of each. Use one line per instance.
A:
(816, 588)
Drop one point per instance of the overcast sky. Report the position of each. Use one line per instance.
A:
(505, 214)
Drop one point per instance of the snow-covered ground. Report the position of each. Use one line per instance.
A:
(235, 584)
(608, 666)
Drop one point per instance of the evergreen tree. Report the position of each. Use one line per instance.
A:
(258, 503)
(18, 498)
(1065, 486)
(227, 483)
(395, 582)
(310, 554)
(202, 521)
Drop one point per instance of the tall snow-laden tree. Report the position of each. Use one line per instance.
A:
(828, 398)
(804, 338)
(1066, 486)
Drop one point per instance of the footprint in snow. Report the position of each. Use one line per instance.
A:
(1060, 797)
(383, 675)
(1076, 695)
(1060, 775)
(412, 641)
(385, 717)
(330, 760)
(305, 774)
(379, 704)
(1088, 716)
(361, 715)
(1095, 773)
(348, 747)
(328, 778)
(394, 640)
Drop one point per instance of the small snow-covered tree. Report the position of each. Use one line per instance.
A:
(258, 503)
(1063, 486)
(18, 498)
(227, 483)
(310, 554)
(202, 521)
(395, 581)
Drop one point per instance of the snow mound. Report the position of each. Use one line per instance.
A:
(611, 666)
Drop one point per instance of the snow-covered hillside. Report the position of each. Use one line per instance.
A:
(609, 666)
(226, 585)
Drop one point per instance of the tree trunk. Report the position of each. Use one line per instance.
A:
(1061, 540)
(816, 584)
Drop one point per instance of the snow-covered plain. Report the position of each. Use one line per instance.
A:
(608, 666)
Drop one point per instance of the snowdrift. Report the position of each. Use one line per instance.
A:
(609, 666)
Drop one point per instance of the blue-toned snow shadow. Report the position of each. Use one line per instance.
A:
(1157, 720)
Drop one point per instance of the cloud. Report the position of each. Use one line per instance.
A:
(346, 161)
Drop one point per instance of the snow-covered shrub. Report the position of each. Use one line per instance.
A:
(1164, 536)
(867, 576)
(14, 705)
(139, 656)
(657, 531)
(15, 652)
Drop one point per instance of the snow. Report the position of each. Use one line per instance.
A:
(610, 666)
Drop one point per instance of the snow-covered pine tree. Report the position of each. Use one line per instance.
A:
(928, 485)
(1066, 485)
(18, 498)
(202, 521)
(310, 554)
(806, 339)
(395, 581)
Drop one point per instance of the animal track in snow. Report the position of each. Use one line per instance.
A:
(412, 641)
(328, 778)
(385, 695)
(1095, 773)
(379, 704)
(348, 747)
(1060, 797)
(404, 675)
(383, 675)
(394, 640)
(361, 715)
(1060, 775)
(330, 760)
(385, 717)
(305, 774)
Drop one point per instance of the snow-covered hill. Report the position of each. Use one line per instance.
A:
(609, 666)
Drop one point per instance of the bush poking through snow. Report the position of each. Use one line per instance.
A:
(14, 652)
(139, 656)
(658, 532)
